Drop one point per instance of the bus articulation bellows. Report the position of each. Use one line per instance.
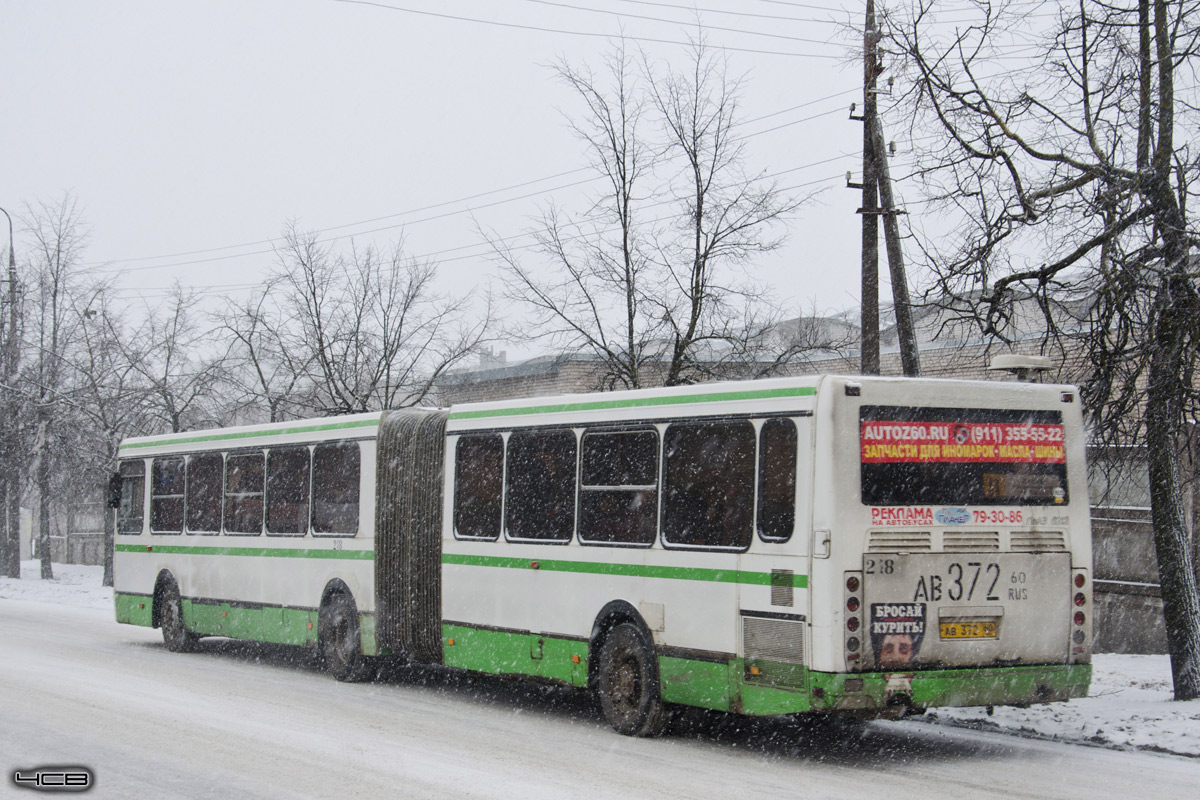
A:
(866, 546)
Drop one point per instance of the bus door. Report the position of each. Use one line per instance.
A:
(774, 597)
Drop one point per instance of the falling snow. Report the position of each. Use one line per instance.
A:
(1130, 706)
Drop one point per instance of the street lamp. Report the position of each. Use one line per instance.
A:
(11, 478)
(12, 259)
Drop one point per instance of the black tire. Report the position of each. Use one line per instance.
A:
(628, 683)
(176, 636)
(339, 644)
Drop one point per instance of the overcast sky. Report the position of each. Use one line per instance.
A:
(190, 131)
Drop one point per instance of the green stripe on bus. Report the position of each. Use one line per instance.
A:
(219, 437)
(255, 552)
(601, 405)
(626, 570)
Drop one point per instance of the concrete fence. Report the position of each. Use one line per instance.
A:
(1126, 601)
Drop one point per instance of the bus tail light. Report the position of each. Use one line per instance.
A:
(1081, 632)
(853, 603)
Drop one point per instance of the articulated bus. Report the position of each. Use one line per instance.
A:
(856, 545)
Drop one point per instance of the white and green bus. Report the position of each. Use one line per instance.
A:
(867, 546)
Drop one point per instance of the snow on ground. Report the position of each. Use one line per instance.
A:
(72, 585)
(1130, 707)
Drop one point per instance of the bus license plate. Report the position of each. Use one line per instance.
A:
(968, 630)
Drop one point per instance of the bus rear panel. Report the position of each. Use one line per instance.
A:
(959, 546)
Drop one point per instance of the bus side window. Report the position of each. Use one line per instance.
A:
(287, 490)
(541, 485)
(336, 468)
(618, 493)
(131, 511)
(777, 480)
(166, 495)
(204, 475)
(244, 493)
(708, 485)
(478, 483)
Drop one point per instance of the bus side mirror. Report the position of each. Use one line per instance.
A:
(114, 490)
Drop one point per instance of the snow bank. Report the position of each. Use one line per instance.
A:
(1130, 707)
(72, 585)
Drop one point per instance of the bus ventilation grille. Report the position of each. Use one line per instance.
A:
(900, 541)
(783, 582)
(774, 651)
(1038, 542)
(970, 541)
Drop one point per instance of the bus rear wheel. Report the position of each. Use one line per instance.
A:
(176, 636)
(628, 683)
(340, 647)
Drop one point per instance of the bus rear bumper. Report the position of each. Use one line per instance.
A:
(894, 694)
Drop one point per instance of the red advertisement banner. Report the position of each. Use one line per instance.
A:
(891, 442)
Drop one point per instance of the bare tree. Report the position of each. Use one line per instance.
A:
(642, 280)
(368, 329)
(172, 355)
(264, 368)
(109, 396)
(1065, 179)
(57, 234)
(727, 217)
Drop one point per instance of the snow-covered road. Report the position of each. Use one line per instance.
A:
(252, 721)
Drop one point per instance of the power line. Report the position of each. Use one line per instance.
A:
(120, 270)
(731, 13)
(589, 34)
(344, 236)
(624, 15)
(107, 267)
(486, 246)
(808, 6)
(348, 224)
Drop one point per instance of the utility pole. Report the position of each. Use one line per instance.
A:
(9, 440)
(907, 335)
(877, 201)
(869, 320)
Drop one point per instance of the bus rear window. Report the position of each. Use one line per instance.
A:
(935, 456)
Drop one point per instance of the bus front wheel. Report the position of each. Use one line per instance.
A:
(628, 683)
(341, 651)
(176, 636)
